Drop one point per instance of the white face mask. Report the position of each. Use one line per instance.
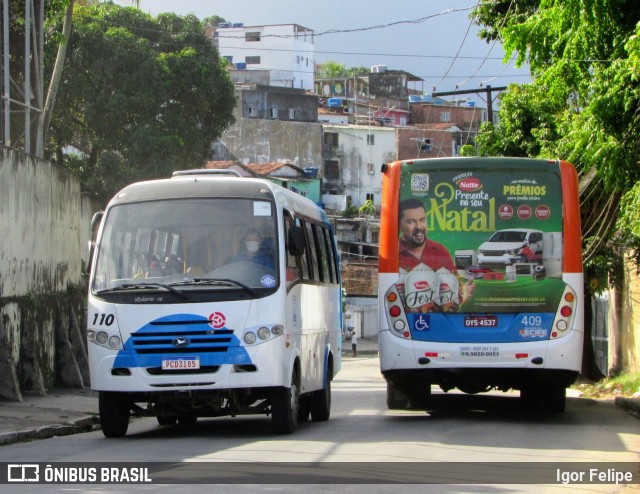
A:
(253, 246)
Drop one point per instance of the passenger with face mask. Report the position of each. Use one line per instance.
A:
(252, 250)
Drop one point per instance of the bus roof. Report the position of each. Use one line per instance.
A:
(200, 184)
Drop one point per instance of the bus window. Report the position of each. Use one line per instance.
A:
(330, 255)
(312, 252)
(293, 270)
(322, 253)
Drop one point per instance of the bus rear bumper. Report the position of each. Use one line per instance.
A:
(500, 365)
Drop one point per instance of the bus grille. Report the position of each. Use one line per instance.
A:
(175, 338)
(493, 253)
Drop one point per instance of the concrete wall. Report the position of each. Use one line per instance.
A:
(262, 99)
(363, 318)
(45, 223)
(360, 153)
(269, 141)
(628, 346)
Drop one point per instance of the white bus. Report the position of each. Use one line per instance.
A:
(213, 295)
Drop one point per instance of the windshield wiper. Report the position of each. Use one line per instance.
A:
(142, 286)
(219, 281)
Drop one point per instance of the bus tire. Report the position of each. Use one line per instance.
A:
(320, 402)
(285, 405)
(166, 419)
(419, 397)
(555, 398)
(303, 408)
(114, 409)
(187, 420)
(396, 399)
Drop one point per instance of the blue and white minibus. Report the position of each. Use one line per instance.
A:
(211, 295)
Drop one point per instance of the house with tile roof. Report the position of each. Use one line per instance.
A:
(302, 181)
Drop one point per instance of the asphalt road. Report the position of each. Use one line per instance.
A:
(365, 442)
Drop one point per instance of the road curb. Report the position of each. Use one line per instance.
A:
(83, 424)
(631, 404)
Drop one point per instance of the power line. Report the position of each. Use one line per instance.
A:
(459, 50)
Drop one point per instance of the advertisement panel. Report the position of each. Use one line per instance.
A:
(478, 241)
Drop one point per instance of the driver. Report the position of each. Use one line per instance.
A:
(253, 250)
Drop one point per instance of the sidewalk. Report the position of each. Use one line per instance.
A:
(366, 347)
(70, 411)
(59, 413)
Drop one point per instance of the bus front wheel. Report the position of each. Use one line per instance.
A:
(285, 403)
(114, 409)
(320, 401)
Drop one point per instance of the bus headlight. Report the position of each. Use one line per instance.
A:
(249, 338)
(114, 342)
(264, 333)
(277, 330)
(104, 339)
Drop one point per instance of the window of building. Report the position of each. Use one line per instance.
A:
(273, 112)
(292, 113)
(425, 144)
(331, 139)
(331, 170)
(252, 60)
(253, 111)
(370, 139)
(445, 116)
(252, 36)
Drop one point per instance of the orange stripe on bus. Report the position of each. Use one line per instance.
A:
(571, 214)
(388, 249)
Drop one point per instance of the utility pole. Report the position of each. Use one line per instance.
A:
(487, 90)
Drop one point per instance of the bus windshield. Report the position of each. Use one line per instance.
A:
(188, 244)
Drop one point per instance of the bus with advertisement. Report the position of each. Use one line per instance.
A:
(211, 295)
(480, 279)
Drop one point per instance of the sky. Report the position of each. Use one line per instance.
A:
(431, 39)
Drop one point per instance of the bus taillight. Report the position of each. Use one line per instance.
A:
(395, 311)
(565, 314)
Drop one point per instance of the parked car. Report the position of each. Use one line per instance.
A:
(510, 246)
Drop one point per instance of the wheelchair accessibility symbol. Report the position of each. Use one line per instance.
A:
(422, 323)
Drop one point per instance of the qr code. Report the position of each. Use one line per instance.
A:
(420, 182)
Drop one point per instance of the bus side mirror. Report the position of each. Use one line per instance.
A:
(95, 222)
(296, 242)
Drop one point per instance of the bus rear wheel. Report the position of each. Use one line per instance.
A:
(114, 409)
(285, 404)
(549, 398)
(396, 399)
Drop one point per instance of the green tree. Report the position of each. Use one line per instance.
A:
(337, 70)
(528, 124)
(140, 97)
(583, 106)
(212, 20)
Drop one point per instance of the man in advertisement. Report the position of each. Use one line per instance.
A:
(431, 282)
